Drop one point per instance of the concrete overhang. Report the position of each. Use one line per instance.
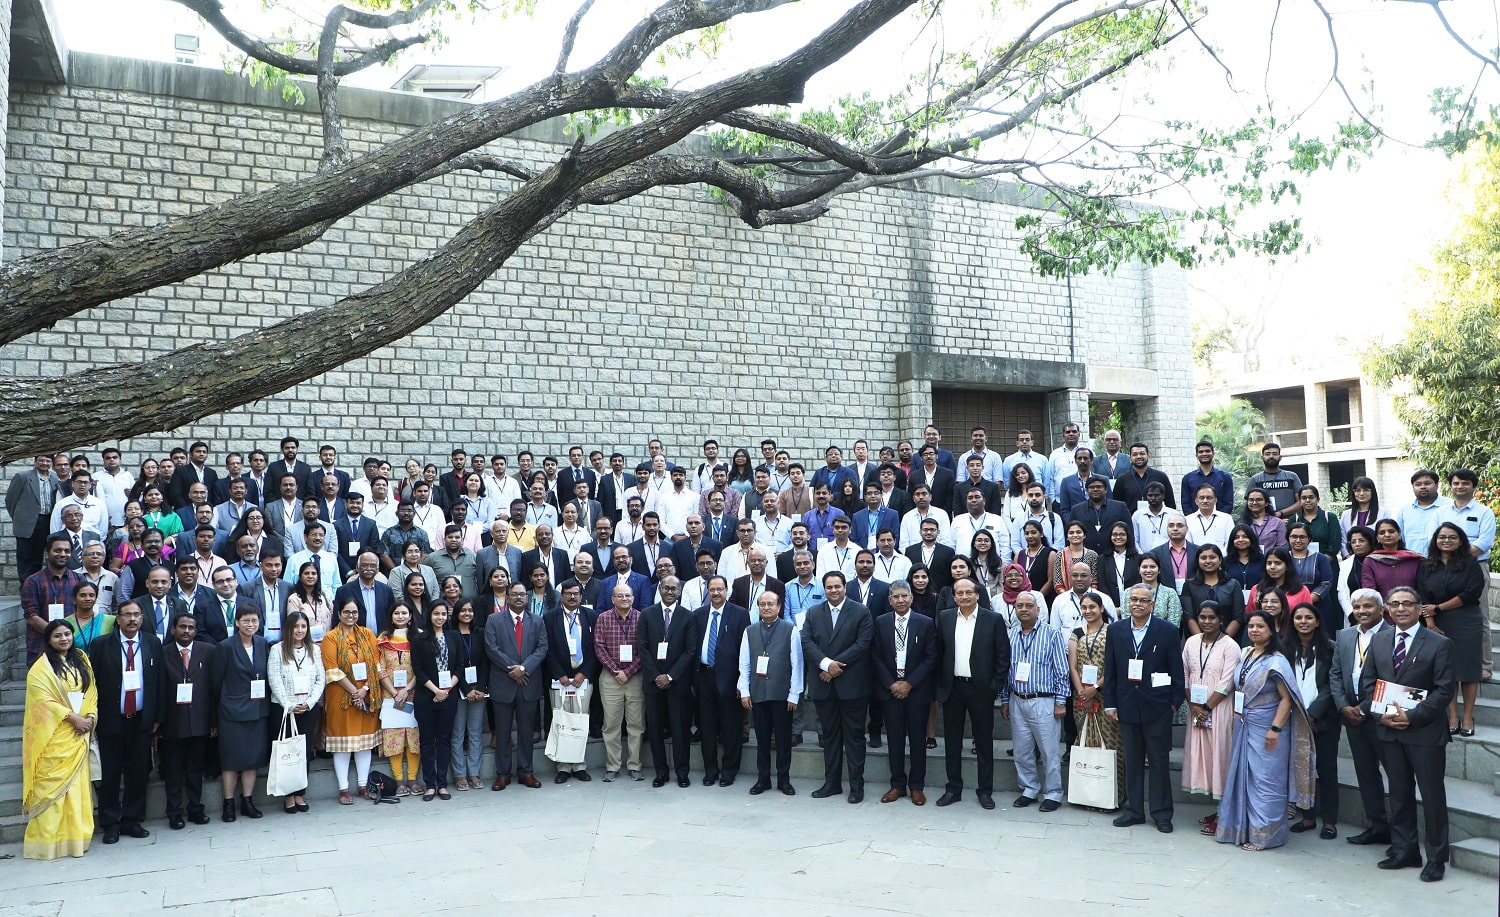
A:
(979, 372)
(37, 52)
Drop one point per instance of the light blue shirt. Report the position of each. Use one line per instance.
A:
(800, 598)
(1477, 521)
(1040, 465)
(1418, 522)
(994, 467)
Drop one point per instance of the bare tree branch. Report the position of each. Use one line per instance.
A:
(213, 14)
(335, 147)
(570, 35)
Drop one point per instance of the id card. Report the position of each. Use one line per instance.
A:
(627, 653)
(445, 680)
(258, 689)
(360, 671)
(55, 611)
(1023, 672)
(471, 673)
(1239, 702)
(398, 678)
(185, 692)
(1137, 670)
(302, 685)
(661, 651)
(75, 700)
(1090, 675)
(353, 549)
(901, 660)
(762, 665)
(1198, 694)
(1161, 680)
(317, 633)
(572, 645)
(130, 680)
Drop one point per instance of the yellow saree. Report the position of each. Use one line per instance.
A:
(55, 790)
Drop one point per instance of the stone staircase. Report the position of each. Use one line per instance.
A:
(1473, 777)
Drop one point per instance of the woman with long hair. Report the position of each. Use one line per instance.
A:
(923, 598)
(1071, 553)
(1311, 655)
(1209, 658)
(1210, 584)
(1449, 585)
(1270, 531)
(985, 561)
(1013, 504)
(1244, 560)
(435, 652)
(1316, 572)
(62, 703)
(1035, 557)
(253, 523)
(1390, 564)
(1281, 573)
(741, 472)
(296, 677)
(1118, 568)
(351, 707)
(1364, 508)
(311, 599)
(401, 745)
(1358, 545)
(1086, 646)
(471, 669)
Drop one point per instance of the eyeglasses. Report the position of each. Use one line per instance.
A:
(1401, 604)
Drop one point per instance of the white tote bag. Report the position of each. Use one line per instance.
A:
(288, 770)
(568, 741)
(1092, 773)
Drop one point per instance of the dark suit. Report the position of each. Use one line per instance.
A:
(612, 500)
(218, 494)
(560, 566)
(972, 697)
(1415, 757)
(1364, 744)
(434, 717)
(559, 662)
(125, 741)
(670, 708)
(1097, 521)
(204, 609)
(994, 497)
(940, 484)
(1111, 584)
(739, 591)
(185, 728)
(720, 716)
(185, 477)
(374, 618)
(841, 702)
(1163, 555)
(299, 470)
(75, 561)
(212, 621)
(1144, 710)
(874, 595)
(939, 575)
(488, 560)
(514, 702)
(641, 562)
(1130, 488)
(900, 502)
(685, 557)
(359, 532)
(316, 476)
(906, 718)
(728, 532)
(569, 476)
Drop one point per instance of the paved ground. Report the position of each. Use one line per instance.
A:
(629, 849)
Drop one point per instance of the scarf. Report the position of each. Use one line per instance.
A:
(1006, 593)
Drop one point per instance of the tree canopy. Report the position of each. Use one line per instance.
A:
(1053, 95)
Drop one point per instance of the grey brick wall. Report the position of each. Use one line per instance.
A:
(665, 316)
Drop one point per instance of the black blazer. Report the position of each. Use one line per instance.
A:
(1161, 651)
(424, 668)
(559, 662)
(1110, 582)
(739, 590)
(1323, 711)
(682, 648)
(299, 470)
(376, 618)
(848, 641)
(989, 654)
(1096, 524)
(106, 656)
(231, 673)
(470, 654)
(994, 498)
(1130, 488)
(640, 562)
(182, 721)
(726, 661)
(922, 654)
(562, 565)
(685, 556)
(568, 476)
(941, 484)
(937, 572)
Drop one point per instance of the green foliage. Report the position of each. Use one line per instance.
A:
(1445, 371)
(1236, 429)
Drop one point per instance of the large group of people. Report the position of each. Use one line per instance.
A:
(207, 612)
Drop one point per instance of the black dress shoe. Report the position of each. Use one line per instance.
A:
(856, 795)
(581, 776)
(710, 779)
(948, 799)
(248, 809)
(986, 800)
(658, 782)
(760, 787)
(1126, 820)
(875, 739)
(1023, 801)
(826, 790)
(1399, 862)
(684, 782)
(199, 818)
(562, 777)
(786, 789)
(111, 837)
(176, 823)
(1165, 827)
(1049, 805)
(135, 831)
(1432, 872)
(1369, 837)
(796, 739)
(228, 813)
(726, 781)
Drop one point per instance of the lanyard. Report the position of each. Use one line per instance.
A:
(1245, 669)
(1205, 649)
(887, 563)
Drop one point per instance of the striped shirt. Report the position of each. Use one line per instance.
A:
(1046, 649)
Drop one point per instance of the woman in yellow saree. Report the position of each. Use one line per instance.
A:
(62, 703)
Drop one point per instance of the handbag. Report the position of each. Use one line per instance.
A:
(288, 770)
(568, 741)
(1093, 770)
(382, 788)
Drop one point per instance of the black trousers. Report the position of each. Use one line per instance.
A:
(669, 714)
(969, 699)
(772, 718)
(906, 729)
(182, 770)
(1364, 748)
(719, 720)
(1410, 767)
(1148, 744)
(124, 758)
(1326, 745)
(31, 548)
(511, 759)
(841, 723)
(435, 741)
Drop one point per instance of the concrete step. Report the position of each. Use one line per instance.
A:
(1496, 783)
(12, 714)
(1477, 854)
(12, 830)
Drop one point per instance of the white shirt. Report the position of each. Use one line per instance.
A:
(95, 515)
(431, 520)
(735, 561)
(1067, 610)
(1361, 651)
(963, 642)
(965, 526)
(833, 557)
(382, 514)
(911, 527)
(113, 489)
(1213, 530)
(139, 666)
(1151, 530)
(893, 568)
(775, 535)
(674, 506)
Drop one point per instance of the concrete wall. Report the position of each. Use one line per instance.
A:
(664, 316)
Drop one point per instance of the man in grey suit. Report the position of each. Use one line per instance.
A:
(1350, 653)
(29, 498)
(836, 637)
(515, 685)
(270, 592)
(1413, 743)
(974, 668)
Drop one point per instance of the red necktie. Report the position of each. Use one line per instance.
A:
(519, 622)
(129, 667)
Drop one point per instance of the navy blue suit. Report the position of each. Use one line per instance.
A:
(720, 716)
(374, 618)
(906, 718)
(887, 520)
(877, 599)
(1144, 709)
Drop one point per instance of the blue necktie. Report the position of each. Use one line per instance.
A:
(713, 638)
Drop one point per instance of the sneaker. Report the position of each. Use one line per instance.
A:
(609, 776)
(637, 776)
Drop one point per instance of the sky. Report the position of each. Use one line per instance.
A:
(1371, 229)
